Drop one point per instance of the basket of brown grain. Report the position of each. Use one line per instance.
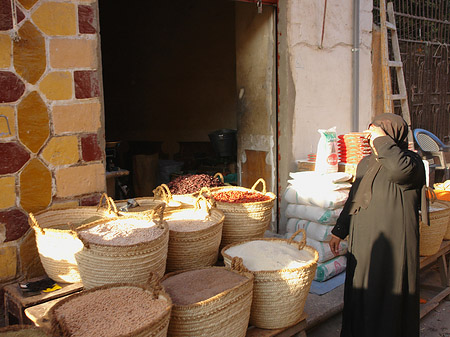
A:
(211, 301)
(22, 331)
(194, 235)
(123, 249)
(248, 212)
(283, 271)
(56, 240)
(125, 310)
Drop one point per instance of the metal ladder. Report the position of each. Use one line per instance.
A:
(387, 64)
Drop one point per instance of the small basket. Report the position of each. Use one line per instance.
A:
(431, 236)
(56, 240)
(245, 221)
(22, 331)
(194, 249)
(157, 328)
(226, 314)
(101, 264)
(279, 296)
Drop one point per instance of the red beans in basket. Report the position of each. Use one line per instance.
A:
(240, 196)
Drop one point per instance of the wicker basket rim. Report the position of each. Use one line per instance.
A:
(270, 194)
(218, 222)
(250, 278)
(157, 292)
(305, 266)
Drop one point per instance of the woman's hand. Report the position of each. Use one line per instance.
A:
(334, 244)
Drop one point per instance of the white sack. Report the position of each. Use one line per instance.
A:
(330, 268)
(323, 248)
(296, 194)
(313, 230)
(313, 213)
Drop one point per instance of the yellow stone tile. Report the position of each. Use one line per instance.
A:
(7, 111)
(8, 262)
(61, 151)
(5, 50)
(73, 53)
(35, 186)
(66, 204)
(57, 85)
(56, 18)
(78, 180)
(8, 194)
(84, 117)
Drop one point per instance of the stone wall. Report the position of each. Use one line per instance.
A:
(51, 119)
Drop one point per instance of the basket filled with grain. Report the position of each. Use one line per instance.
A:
(113, 310)
(124, 249)
(283, 269)
(248, 212)
(211, 301)
(431, 236)
(21, 330)
(56, 240)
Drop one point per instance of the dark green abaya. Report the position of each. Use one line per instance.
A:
(381, 289)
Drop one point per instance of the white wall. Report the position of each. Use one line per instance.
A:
(322, 75)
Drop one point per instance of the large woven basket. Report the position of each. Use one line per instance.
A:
(194, 249)
(101, 264)
(156, 328)
(22, 331)
(279, 296)
(56, 239)
(431, 236)
(226, 314)
(444, 197)
(248, 220)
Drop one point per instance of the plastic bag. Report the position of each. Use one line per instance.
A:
(327, 155)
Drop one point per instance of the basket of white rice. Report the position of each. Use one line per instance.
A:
(124, 249)
(194, 236)
(211, 301)
(283, 270)
(56, 239)
(113, 310)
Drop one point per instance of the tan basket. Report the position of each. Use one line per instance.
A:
(22, 331)
(447, 232)
(431, 236)
(279, 296)
(101, 264)
(157, 328)
(245, 221)
(57, 242)
(194, 249)
(226, 314)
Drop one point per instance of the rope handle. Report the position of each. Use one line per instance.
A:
(207, 204)
(220, 176)
(302, 242)
(108, 201)
(260, 180)
(158, 210)
(238, 264)
(34, 224)
(163, 192)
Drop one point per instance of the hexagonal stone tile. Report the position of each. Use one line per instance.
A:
(12, 157)
(16, 223)
(33, 121)
(35, 186)
(29, 53)
(56, 18)
(11, 87)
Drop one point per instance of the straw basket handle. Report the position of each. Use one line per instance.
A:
(262, 181)
(201, 200)
(220, 176)
(34, 224)
(238, 264)
(163, 191)
(109, 201)
(158, 210)
(302, 242)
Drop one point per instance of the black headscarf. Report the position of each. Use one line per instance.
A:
(395, 127)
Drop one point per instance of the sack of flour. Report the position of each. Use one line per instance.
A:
(327, 154)
(330, 268)
(315, 231)
(313, 213)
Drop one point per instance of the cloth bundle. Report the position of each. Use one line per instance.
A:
(314, 204)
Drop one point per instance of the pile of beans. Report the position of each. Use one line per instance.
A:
(240, 196)
(192, 183)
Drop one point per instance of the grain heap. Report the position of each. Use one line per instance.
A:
(22, 331)
(192, 183)
(270, 255)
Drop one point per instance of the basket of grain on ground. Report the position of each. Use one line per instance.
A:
(22, 331)
(125, 310)
(431, 236)
(56, 239)
(283, 270)
(124, 249)
(248, 212)
(212, 301)
(195, 233)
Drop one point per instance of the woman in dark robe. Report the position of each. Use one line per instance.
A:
(381, 219)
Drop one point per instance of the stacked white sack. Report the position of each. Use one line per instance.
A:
(314, 204)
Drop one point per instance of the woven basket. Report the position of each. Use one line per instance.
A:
(57, 242)
(279, 296)
(194, 249)
(226, 314)
(431, 236)
(101, 264)
(22, 331)
(156, 328)
(245, 221)
(443, 197)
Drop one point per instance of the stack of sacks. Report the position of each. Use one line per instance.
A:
(352, 147)
(314, 204)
